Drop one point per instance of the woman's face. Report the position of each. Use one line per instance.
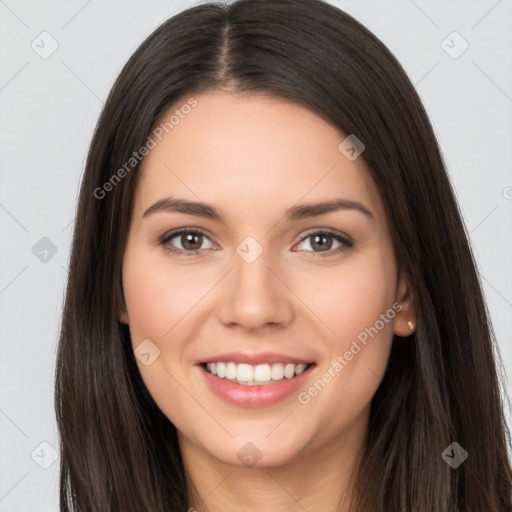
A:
(260, 277)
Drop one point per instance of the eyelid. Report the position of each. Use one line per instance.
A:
(326, 231)
(178, 231)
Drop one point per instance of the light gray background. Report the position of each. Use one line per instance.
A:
(49, 107)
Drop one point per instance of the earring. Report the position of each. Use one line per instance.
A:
(411, 325)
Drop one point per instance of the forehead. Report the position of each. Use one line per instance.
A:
(251, 153)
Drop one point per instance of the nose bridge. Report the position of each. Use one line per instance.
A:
(251, 272)
(254, 284)
(254, 295)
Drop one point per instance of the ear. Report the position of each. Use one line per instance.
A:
(405, 319)
(122, 314)
(123, 317)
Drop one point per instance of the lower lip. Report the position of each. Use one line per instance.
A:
(255, 395)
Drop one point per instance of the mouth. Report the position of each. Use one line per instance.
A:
(255, 375)
(269, 379)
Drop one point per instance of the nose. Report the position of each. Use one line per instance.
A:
(255, 296)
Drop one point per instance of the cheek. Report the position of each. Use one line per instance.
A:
(356, 356)
(157, 297)
(351, 299)
(357, 306)
(158, 300)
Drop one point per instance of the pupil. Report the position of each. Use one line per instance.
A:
(189, 243)
(317, 241)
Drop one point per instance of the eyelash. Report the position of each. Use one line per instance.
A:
(345, 241)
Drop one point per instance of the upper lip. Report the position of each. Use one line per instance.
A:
(254, 358)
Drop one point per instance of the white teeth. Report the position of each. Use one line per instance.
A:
(262, 373)
(289, 370)
(244, 372)
(300, 368)
(277, 371)
(221, 370)
(230, 371)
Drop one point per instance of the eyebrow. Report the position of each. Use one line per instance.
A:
(303, 211)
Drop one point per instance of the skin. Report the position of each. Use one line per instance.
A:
(253, 157)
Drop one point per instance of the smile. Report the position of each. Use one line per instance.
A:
(255, 385)
(250, 375)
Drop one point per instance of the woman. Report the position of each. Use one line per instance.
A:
(272, 303)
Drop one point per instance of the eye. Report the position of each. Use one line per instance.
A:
(323, 241)
(190, 240)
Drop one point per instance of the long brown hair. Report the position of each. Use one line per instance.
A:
(118, 450)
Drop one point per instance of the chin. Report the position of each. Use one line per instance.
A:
(255, 452)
